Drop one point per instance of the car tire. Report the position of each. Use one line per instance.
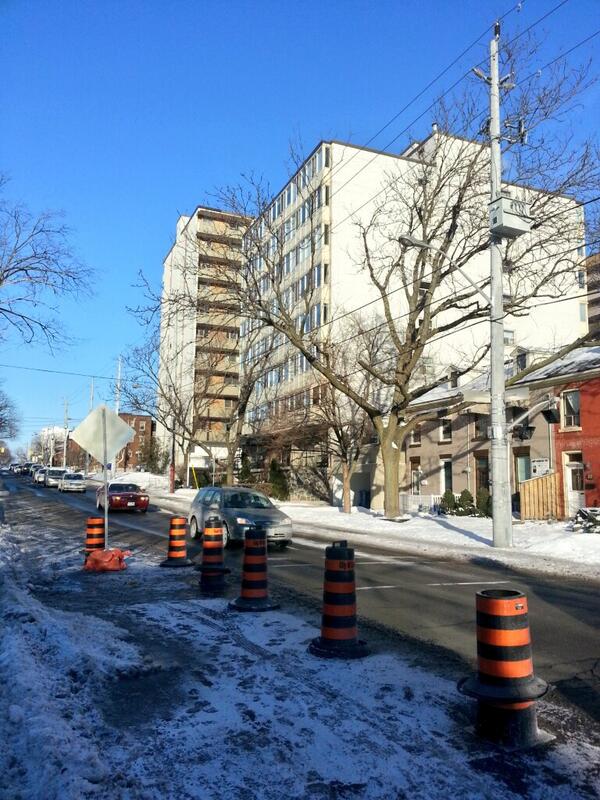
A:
(283, 545)
(193, 528)
(226, 537)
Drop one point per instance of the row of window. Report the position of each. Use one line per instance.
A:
(570, 418)
(283, 405)
(288, 196)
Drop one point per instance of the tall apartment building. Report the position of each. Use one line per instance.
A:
(592, 265)
(199, 355)
(314, 220)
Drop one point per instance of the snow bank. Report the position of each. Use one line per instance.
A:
(544, 546)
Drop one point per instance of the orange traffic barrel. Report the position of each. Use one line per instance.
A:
(255, 593)
(339, 631)
(505, 685)
(94, 535)
(212, 580)
(177, 552)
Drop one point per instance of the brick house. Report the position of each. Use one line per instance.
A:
(450, 448)
(132, 455)
(575, 381)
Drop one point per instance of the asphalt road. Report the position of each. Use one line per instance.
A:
(423, 599)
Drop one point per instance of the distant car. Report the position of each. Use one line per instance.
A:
(239, 509)
(72, 482)
(53, 476)
(123, 497)
(40, 476)
(35, 469)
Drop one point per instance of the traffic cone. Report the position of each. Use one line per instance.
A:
(505, 686)
(177, 553)
(212, 580)
(339, 632)
(255, 595)
(94, 535)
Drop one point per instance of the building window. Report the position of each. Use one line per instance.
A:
(582, 312)
(142, 426)
(509, 336)
(326, 234)
(415, 476)
(446, 475)
(482, 473)
(521, 361)
(445, 430)
(481, 422)
(581, 279)
(570, 409)
(415, 435)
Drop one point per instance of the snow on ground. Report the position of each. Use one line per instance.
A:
(129, 685)
(543, 546)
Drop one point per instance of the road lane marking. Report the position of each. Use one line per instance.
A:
(293, 564)
(467, 583)
(366, 588)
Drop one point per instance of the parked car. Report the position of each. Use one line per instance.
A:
(40, 476)
(53, 476)
(239, 508)
(34, 470)
(72, 482)
(123, 497)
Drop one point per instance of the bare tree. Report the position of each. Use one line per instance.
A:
(9, 423)
(438, 194)
(37, 266)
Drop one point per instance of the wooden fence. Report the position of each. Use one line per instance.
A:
(541, 498)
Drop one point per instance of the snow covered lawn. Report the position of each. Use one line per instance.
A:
(547, 547)
(129, 685)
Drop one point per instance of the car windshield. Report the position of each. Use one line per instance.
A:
(73, 476)
(55, 473)
(123, 487)
(246, 500)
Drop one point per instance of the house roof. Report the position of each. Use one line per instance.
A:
(475, 391)
(583, 362)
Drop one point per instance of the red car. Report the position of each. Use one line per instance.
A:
(123, 497)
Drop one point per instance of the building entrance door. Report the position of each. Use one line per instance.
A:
(575, 494)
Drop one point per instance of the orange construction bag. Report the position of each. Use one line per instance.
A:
(106, 560)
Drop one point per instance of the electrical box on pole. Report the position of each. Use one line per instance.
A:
(509, 217)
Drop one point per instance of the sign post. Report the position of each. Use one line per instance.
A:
(101, 432)
(104, 460)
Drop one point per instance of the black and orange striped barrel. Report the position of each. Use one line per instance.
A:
(339, 630)
(503, 639)
(213, 572)
(505, 685)
(254, 594)
(94, 535)
(177, 551)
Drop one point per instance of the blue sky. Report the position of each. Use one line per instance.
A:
(126, 114)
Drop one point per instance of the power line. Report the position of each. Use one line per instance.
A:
(56, 372)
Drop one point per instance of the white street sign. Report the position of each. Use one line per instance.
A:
(89, 434)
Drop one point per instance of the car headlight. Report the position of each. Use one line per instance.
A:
(243, 521)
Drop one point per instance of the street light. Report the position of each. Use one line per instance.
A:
(501, 508)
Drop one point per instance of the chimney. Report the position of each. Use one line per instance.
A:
(434, 127)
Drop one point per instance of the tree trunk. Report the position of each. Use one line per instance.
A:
(346, 493)
(229, 471)
(391, 482)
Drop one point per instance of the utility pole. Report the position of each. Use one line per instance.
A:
(172, 464)
(501, 499)
(118, 387)
(87, 455)
(66, 434)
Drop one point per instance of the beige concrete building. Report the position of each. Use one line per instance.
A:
(199, 354)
